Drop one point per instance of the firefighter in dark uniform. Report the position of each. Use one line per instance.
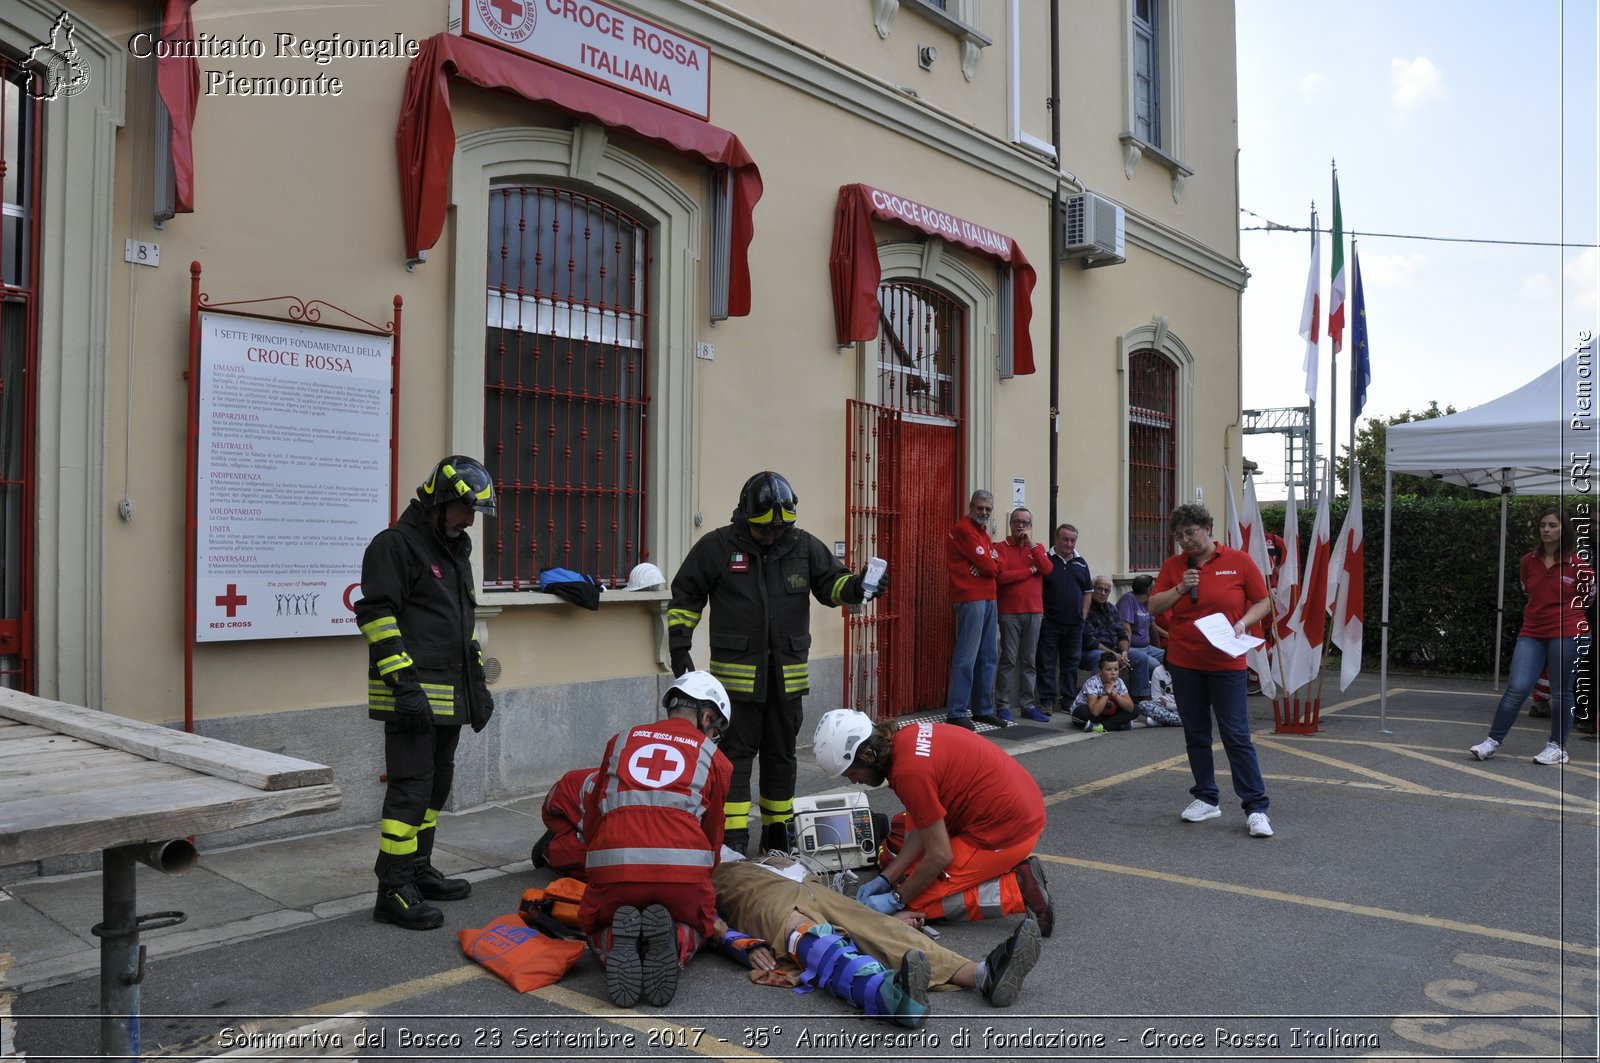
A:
(425, 678)
(758, 574)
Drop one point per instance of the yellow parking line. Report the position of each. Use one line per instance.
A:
(1326, 904)
(1399, 784)
(1116, 780)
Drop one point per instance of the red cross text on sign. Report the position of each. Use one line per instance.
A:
(509, 9)
(655, 765)
(232, 600)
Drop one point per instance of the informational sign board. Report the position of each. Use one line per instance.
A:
(602, 42)
(293, 475)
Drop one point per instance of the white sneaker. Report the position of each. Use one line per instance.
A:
(1260, 825)
(1551, 754)
(1198, 811)
(1484, 750)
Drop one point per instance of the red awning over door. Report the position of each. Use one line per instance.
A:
(856, 274)
(427, 139)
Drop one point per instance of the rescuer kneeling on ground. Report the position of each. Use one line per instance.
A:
(424, 678)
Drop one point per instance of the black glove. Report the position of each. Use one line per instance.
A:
(482, 708)
(883, 586)
(681, 661)
(412, 711)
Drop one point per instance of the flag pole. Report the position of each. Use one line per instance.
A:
(1335, 339)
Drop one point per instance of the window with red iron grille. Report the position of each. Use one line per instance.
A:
(567, 402)
(1152, 457)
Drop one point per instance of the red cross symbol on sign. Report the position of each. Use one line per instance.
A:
(509, 9)
(232, 600)
(655, 765)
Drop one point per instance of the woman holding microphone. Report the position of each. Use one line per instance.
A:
(1206, 577)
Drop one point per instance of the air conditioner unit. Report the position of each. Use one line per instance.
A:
(1091, 230)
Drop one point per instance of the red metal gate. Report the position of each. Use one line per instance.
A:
(905, 486)
(20, 164)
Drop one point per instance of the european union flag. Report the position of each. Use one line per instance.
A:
(1361, 368)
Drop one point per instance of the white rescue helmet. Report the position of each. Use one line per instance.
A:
(840, 733)
(700, 686)
(645, 577)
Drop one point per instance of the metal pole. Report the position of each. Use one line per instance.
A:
(1383, 625)
(120, 963)
(1500, 580)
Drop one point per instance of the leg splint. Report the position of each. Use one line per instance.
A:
(830, 961)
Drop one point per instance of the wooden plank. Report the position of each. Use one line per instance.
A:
(90, 777)
(37, 829)
(45, 763)
(38, 746)
(253, 767)
(11, 730)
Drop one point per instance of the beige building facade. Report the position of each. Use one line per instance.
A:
(599, 259)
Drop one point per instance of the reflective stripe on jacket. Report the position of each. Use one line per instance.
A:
(760, 610)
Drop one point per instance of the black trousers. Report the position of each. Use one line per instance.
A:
(767, 730)
(421, 768)
(1060, 646)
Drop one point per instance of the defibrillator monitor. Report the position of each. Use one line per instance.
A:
(834, 829)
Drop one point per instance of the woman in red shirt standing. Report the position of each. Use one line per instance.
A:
(1558, 585)
(1206, 577)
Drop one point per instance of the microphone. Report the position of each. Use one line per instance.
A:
(1194, 592)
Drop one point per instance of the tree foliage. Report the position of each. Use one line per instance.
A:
(1371, 450)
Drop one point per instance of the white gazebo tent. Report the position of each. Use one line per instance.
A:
(1536, 440)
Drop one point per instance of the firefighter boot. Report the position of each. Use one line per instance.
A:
(775, 836)
(433, 886)
(737, 840)
(404, 907)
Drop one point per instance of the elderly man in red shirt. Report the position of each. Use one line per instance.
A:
(1023, 563)
(973, 563)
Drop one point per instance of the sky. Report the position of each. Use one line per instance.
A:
(1468, 119)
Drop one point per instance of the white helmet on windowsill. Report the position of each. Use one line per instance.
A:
(645, 577)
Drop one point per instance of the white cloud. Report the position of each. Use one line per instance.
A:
(1390, 270)
(1536, 286)
(1413, 83)
(1580, 280)
(1313, 84)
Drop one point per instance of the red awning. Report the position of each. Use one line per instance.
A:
(427, 137)
(856, 274)
(178, 80)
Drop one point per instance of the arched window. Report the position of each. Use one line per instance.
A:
(1152, 457)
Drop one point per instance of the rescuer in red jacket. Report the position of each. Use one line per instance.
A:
(653, 825)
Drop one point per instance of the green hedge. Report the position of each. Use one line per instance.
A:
(1441, 572)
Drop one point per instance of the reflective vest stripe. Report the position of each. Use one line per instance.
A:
(397, 838)
(796, 677)
(384, 627)
(633, 857)
(682, 618)
(690, 803)
(776, 811)
(838, 588)
(736, 678)
(736, 815)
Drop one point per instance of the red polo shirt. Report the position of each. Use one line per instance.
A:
(1230, 584)
(1557, 596)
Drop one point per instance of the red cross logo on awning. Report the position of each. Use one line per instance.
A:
(656, 765)
(232, 600)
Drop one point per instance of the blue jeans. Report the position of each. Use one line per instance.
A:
(1532, 656)
(972, 662)
(1201, 695)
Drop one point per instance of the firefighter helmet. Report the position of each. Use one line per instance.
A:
(767, 499)
(699, 688)
(840, 733)
(459, 478)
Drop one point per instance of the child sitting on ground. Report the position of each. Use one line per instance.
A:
(1104, 703)
(1161, 710)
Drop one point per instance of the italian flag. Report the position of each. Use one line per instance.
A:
(1336, 290)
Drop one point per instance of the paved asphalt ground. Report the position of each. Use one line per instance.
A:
(1414, 904)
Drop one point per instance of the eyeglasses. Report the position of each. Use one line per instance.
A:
(1021, 523)
(1189, 535)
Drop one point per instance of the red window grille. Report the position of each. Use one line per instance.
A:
(1152, 457)
(21, 160)
(567, 403)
